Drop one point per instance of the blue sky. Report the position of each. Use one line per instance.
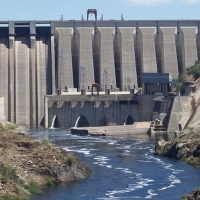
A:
(110, 9)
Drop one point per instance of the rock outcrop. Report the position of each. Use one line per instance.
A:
(185, 147)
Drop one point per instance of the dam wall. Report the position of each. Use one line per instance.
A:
(39, 58)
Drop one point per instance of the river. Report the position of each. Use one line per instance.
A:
(123, 168)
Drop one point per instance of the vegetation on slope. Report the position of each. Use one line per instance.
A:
(27, 165)
(191, 73)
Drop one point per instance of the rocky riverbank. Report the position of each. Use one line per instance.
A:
(186, 147)
(27, 165)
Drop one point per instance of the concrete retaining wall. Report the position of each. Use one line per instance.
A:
(182, 110)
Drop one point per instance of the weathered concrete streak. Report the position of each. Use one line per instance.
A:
(11, 80)
(53, 70)
(22, 81)
(127, 59)
(107, 65)
(4, 73)
(42, 67)
(33, 91)
(147, 49)
(2, 109)
(64, 57)
(86, 69)
(167, 51)
(189, 35)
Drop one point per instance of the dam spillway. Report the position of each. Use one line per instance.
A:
(39, 57)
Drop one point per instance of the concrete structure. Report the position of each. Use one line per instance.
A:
(125, 63)
(85, 68)
(187, 41)
(102, 110)
(64, 38)
(156, 83)
(166, 51)
(2, 114)
(145, 49)
(39, 57)
(180, 111)
(105, 60)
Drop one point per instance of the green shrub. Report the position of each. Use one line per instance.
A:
(37, 142)
(180, 80)
(25, 197)
(4, 136)
(10, 126)
(191, 130)
(33, 188)
(46, 142)
(20, 133)
(49, 182)
(194, 69)
(69, 160)
(8, 172)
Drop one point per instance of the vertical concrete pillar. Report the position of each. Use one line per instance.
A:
(41, 68)
(105, 36)
(46, 114)
(147, 49)
(11, 67)
(189, 35)
(22, 77)
(4, 74)
(166, 51)
(86, 69)
(52, 49)
(33, 108)
(64, 57)
(125, 58)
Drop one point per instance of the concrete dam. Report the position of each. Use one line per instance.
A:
(39, 58)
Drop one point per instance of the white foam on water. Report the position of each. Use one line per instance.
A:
(116, 198)
(119, 168)
(167, 166)
(131, 187)
(112, 143)
(83, 151)
(151, 194)
(127, 147)
(128, 172)
(101, 158)
(172, 182)
(145, 161)
(125, 170)
(120, 147)
(167, 187)
(143, 148)
(102, 161)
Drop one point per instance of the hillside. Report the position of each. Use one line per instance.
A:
(27, 165)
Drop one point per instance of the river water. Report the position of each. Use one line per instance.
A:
(123, 168)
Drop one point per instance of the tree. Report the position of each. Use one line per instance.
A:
(181, 79)
(194, 69)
